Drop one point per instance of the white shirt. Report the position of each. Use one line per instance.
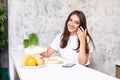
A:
(68, 53)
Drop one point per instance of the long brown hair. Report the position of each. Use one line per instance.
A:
(66, 34)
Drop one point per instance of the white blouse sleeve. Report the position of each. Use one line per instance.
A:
(56, 42)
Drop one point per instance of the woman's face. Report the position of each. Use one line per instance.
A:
(73, 24)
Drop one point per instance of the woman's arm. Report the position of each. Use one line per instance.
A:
(83, 55)
(53, 47)
(48, 53)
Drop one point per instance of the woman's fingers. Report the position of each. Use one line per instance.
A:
(81, 28)
(81, 33)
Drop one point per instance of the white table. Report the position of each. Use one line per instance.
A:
(55, 71)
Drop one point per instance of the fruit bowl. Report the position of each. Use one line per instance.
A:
(30, 61)
(32, 66)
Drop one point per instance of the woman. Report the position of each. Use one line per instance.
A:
(72, 45)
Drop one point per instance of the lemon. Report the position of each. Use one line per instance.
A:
(29, 61)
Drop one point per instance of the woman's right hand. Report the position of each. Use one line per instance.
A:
(81, 34)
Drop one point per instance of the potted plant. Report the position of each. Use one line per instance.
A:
(31, 41)
(3, 36)
(3, 42)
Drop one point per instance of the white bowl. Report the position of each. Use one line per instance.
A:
(35, 50)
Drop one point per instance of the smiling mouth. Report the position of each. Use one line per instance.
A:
(70, 27)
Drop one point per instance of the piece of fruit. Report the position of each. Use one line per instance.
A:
(40, 60)
(29, 61)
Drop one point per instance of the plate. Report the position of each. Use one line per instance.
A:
(32, 66)
(52, 60)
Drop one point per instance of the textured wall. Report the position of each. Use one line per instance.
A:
(47, 18)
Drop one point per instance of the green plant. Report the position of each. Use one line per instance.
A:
(31, 41)
(26, 43)
(3, 36)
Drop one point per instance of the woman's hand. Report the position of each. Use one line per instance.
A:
(81, 34)
(48, 52)
(83, 56)
(44, 54)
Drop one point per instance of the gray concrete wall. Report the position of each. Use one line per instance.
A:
(47, 18)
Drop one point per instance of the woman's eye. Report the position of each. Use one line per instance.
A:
(77, 22)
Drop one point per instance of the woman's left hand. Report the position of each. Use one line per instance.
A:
(81, 34)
